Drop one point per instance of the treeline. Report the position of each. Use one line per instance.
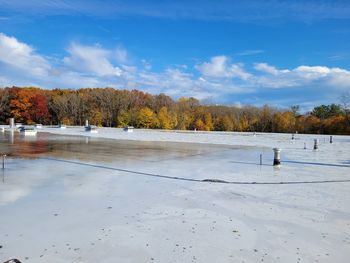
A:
(118, 108)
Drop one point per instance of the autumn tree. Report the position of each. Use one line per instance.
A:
(96, 118)
(199, 125)
(224, 124)
(145, 118)
(345, 102)
(112, 107)
(123, 119)
(208, 121)
(4, 105)
(161, 101)
(265, 118)
(59, 106)
(284, 122)
(164, 119)
(39, 111)
(312, 124)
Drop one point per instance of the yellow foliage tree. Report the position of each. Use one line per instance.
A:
(67, 121)
(164, 119)
(243, 124)
(312, 124)
(145, 118)
(199, 125)
(300, 124)
(96, 118)
(123, 119)
(225, 124)
(284, 122)
(208, 120)
(183, 121)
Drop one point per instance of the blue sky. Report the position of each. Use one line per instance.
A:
(280, 53)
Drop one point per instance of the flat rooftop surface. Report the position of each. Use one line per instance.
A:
(160, 196)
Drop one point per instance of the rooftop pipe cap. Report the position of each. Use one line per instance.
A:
(277, 156)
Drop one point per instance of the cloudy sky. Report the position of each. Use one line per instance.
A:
(231, 52)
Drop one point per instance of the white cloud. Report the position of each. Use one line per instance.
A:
(20, 56)
(336, 76)
(121, 55)
(215, 68)
(264, 67)
(173, 82)
(219, 68)
(316, 72)
(324, 77)
(74, 79)
(95, 66)
(146, 64)
(92, 59)
(176, 82)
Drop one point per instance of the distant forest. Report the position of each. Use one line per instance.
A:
(118, 108)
